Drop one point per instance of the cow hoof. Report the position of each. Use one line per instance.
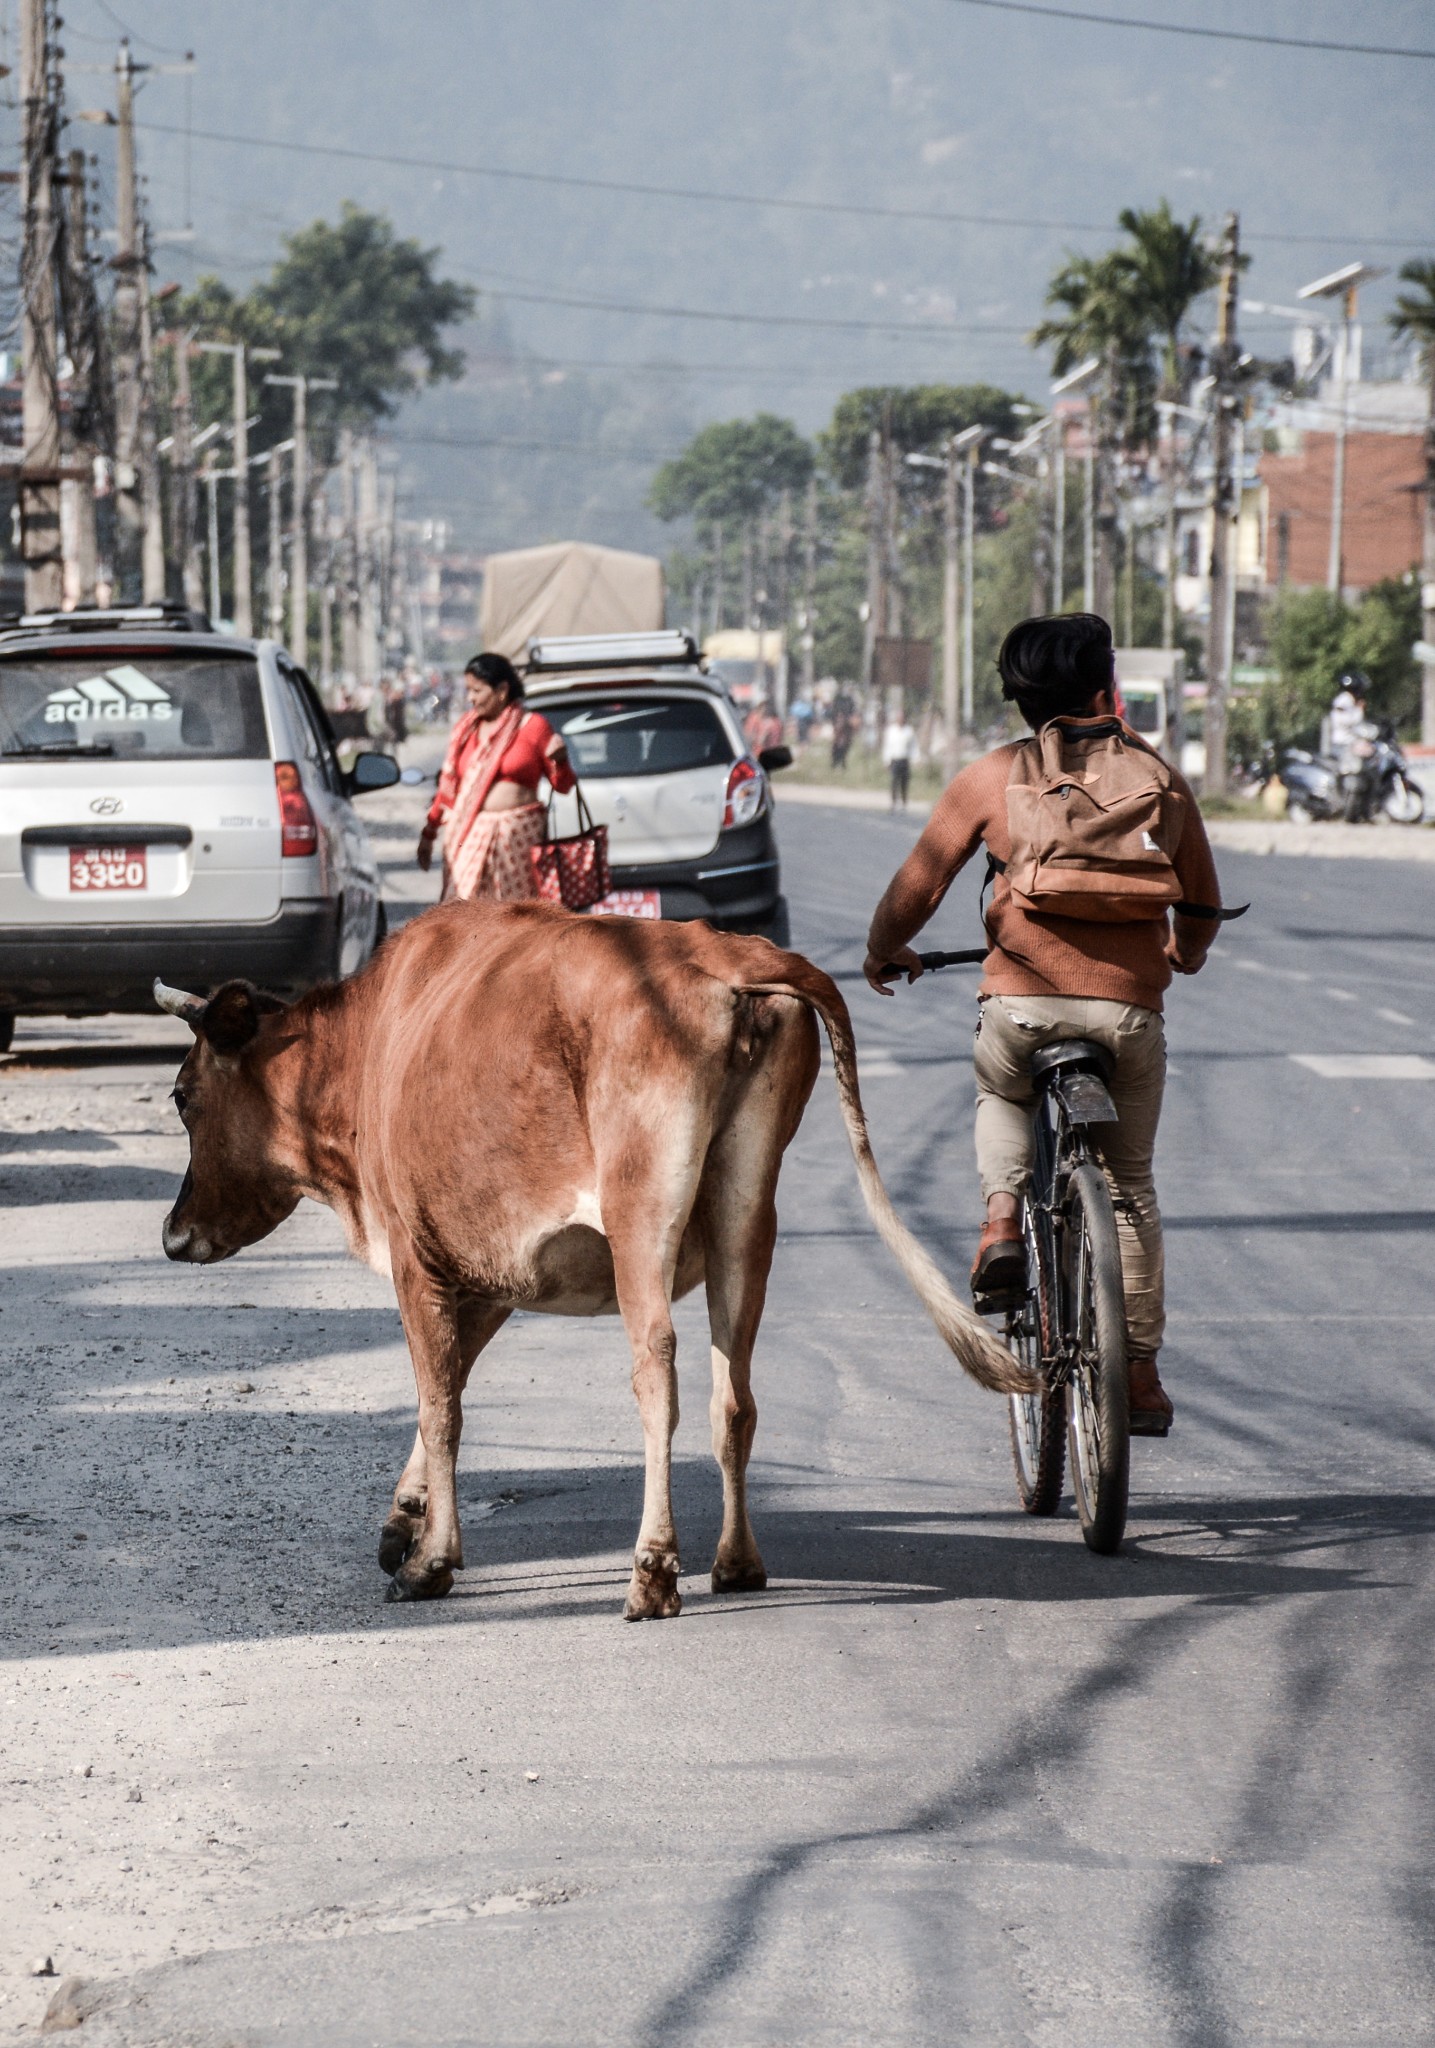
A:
(411, 1503)
(739, 1578)
(422, 1582)
(396, 1540)
(653, 1592)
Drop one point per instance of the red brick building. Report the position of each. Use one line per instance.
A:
(1384, 509)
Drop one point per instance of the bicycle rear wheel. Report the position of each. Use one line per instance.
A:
(1038, 1421)
(1098, 1398)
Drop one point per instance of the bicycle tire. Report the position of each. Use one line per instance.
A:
(1037, 1421)
(1098, 1395)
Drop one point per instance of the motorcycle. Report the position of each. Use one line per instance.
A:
(1377, 785)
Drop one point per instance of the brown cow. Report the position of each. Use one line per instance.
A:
(512, 1107)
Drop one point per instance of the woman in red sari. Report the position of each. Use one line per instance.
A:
(487, 803)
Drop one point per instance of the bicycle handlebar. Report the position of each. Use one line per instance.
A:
(972, 956)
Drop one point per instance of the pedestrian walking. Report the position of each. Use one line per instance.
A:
(899, 743)
(396, 715)
(487, 803)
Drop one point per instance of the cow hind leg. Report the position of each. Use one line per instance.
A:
(740, 1222)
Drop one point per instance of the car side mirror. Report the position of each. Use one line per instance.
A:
(773, 758)
(371, 772)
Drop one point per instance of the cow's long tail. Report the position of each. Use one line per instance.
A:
(972, 1344)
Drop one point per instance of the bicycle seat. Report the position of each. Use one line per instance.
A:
(1077, 1055)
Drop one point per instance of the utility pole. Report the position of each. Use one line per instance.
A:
(151, 519)
(1427, 564)
(972, 436)
(1225, 491)
(185, 535)
(39, 484)
(243, 556)
(809, 593)
(129, 505)
(951, 601)
(1058, 512)
(368, 648)
(299, 512)
(275, 622)
(81, 338)
(211, 481)
(875, 621)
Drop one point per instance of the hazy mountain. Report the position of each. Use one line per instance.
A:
(880, 103)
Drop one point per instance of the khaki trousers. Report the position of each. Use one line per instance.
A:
(1009, 1030)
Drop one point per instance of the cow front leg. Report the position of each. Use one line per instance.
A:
(478, 1322)
(430, 1313)
(406, 1515)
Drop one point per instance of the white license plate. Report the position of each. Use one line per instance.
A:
(96, 870)
(630, 903)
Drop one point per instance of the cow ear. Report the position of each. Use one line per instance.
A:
(231, 1017)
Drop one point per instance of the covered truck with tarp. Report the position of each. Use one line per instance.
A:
(569, 587)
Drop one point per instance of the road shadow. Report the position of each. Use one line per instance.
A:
(27, 1187)
(542, 1539)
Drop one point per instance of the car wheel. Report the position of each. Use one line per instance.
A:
(1298, 813)
(7, 1030)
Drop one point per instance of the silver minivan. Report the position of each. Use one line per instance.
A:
(171, 804)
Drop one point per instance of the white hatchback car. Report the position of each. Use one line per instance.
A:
(171, 804)
(663, 763)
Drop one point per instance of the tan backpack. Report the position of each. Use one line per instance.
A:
(1094, 825)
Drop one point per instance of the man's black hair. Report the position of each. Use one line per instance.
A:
(1053, 667)
(498, 670)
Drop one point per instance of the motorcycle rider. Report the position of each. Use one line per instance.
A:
(1347, 715)
(1052, 977)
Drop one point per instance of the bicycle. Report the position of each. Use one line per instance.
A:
(1070, 1325)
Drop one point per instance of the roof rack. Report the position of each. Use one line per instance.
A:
(167, 613)
(612, 650)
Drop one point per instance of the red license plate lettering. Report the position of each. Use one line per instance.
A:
(101, 869)
(630, 903)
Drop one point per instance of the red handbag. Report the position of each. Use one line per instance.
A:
(573, 872)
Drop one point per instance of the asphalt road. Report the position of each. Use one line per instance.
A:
(951, 1779)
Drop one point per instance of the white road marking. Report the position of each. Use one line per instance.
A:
(1341, 995)
(1260, 967)
(1367, 1066)
(1396, 1017)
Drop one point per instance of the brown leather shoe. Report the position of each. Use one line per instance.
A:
(1151, 1409)
(1000, 1264)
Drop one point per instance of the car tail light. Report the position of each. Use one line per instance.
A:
(298, 833)
(746, 794)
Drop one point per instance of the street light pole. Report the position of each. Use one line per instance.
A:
(1058, 512)
(1343, 284)
(243, 566)
(299, 512)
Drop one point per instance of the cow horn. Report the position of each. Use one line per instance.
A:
(178, 1002)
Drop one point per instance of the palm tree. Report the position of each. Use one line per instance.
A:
(1100, 315)
(1414, 318)
(1168, 266)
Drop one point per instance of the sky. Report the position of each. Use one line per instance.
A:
(1028, 134)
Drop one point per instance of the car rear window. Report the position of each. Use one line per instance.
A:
(133, 704)
(641, 735)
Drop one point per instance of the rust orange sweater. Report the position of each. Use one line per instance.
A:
(1046, 956)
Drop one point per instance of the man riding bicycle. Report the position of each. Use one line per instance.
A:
(1053, 975)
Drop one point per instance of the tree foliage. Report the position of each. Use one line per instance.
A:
(1413, 315)
(1315, 635)
(920, 418)
(733, 470)
(353, 301)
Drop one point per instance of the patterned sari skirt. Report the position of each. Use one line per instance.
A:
(491, 862)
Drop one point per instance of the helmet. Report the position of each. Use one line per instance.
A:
(1355, 680)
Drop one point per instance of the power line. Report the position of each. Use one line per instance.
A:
(932, 331)
(636, 188)
(1174, 28)
(534, 447)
